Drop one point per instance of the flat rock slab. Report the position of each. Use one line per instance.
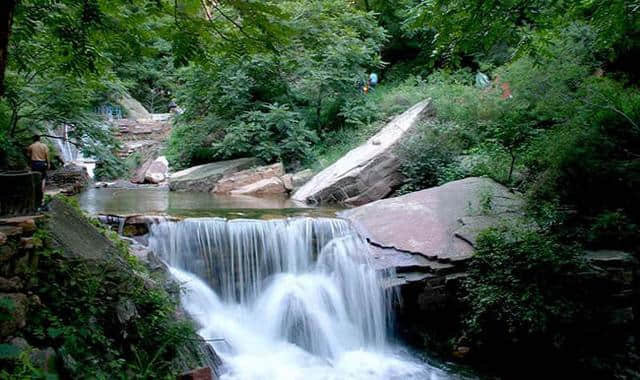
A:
(204, 177)
(79, 239)
(440, 223)
(368, 172)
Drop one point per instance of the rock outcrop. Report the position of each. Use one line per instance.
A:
(426, 236)
(204, 177)
(439, 223)
(368, 172)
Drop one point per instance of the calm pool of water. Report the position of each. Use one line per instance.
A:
(147, 200)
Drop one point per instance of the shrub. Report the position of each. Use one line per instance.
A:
(517, 288)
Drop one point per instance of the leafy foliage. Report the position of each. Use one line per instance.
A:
(237, 100)
(515, 286)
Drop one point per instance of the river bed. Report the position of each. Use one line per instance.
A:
(289, 288)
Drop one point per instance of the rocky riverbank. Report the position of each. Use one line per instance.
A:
(69, 293)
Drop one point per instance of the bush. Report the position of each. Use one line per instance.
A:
(429, 157)
(518, 290)
(79, 316)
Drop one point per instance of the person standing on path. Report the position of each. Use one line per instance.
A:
(40, 159)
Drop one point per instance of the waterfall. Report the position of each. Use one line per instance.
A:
(286, 299)
(70, 152)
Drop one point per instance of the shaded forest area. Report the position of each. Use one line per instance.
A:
(541, 96)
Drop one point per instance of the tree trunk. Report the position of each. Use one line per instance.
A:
(7, 7)
(14, 122)
(513, 162)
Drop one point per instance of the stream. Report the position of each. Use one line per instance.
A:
(281, 290)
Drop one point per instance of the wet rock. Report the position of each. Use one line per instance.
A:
(368, 172)
(203, 178)
(243, 178)
(197, 374)
(12, 284)
(158, 171)
(263, 187)
(15, 305)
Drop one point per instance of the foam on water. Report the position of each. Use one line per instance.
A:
(292, 299)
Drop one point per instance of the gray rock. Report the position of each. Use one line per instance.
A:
(204, 177)
(368, 172)
(438, 223)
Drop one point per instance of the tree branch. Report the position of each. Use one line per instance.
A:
(62, 138)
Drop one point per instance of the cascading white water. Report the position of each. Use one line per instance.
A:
(70, 152)
(292, 299)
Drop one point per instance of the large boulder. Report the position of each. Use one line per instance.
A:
(368, 172)
(158, 171)
(236, 181)
(204, 177)
(440, 223)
